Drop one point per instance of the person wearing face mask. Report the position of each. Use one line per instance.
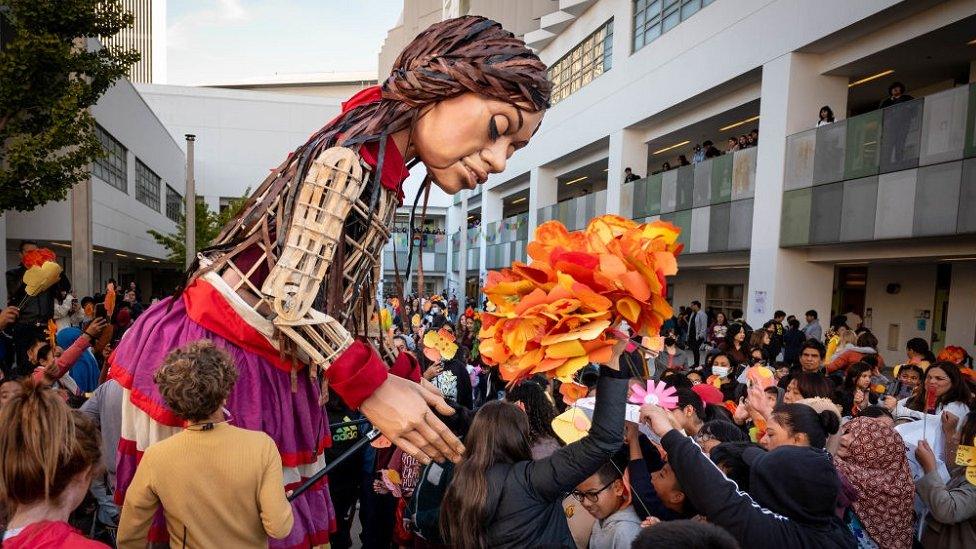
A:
(724, 376)
(672, 358)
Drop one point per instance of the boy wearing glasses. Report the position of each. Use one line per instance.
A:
(605, 496)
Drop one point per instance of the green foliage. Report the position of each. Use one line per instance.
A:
(208, 224)
(48, 81)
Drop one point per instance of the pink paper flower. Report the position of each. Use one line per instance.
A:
(656, 393)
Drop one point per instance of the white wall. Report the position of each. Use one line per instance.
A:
(689, 284)
(961, 317)
(119, 221)
(917, 292)
(240, 135)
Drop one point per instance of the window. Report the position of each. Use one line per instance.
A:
(111, 168)
(174, 204)
(589, 59)
(148, 186)
(652, 18)
(724, 298)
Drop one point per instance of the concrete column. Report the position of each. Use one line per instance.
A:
(627, 150)
(543, 188)
(792, 93)
(81, 239)
(463, 255)
(960, 320)
(491, 212)
(972, 71)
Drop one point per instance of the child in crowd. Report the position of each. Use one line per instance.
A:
(605, 495)
(48, 455)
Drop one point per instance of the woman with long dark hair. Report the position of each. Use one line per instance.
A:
(735, 344)
(855, 395)
(952, 395)
(537, 405)
(289, 284)
(501, 497)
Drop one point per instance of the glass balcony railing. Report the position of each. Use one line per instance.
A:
(433, 262)
(905, 171)
(710, 201)
(431, 242)
(456, 251)
(576, 212)
(506, 240)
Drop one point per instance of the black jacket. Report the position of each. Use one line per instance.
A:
(524, 506)
(719, 499)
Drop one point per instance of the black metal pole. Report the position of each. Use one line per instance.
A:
(372, 435)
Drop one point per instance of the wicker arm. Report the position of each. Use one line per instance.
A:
(332, 184)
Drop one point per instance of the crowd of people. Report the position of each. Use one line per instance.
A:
(784, 435)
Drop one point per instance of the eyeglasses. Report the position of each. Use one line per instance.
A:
(591, 496)
(704, 437)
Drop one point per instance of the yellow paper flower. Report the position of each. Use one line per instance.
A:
(439, 345)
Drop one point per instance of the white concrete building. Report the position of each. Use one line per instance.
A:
(100, 231)
(874, 211)
(242, 134)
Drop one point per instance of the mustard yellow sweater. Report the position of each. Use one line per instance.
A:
(218, 488)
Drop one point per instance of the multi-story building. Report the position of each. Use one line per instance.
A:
(872, 212)
(147, 35)
(101, 230)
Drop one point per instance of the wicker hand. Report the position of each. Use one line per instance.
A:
(400, 409)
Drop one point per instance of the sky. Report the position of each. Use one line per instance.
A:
(213, 41)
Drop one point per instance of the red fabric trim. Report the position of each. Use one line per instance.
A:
(294, 459)
(357, 373)
(406, 366)
(395, 171)
(313, 540)
(315, 487)
(142, 401)
(208, 308)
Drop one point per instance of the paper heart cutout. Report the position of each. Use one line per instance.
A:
(38, 279)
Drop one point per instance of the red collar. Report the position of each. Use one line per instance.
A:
(395, 171)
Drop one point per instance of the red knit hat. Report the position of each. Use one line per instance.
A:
(708, 393)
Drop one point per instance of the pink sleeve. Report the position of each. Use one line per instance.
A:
(67, 358)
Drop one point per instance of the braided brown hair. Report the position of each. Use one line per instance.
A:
(450, 58)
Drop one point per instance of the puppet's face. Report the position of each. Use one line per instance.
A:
(463, 139)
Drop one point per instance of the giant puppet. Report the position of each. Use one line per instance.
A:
(288, 286)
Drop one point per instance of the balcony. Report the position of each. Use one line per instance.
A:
(576, 212)
(456, 251)
(433, 262)
(473, 236)
(710, 201)
(506, 240)
(431, 242)
(907, 171)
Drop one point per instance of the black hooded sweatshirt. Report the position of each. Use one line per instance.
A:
(524, 505)
(796, 489)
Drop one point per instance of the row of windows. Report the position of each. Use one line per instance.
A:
(112, 168)
(594, 55)
(591, 58)
(652, 18)
(148, 186)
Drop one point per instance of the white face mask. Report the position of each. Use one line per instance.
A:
(720, 371)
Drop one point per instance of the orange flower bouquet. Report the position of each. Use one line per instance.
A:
(559, 312)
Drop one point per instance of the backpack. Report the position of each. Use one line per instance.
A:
(424, 509)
